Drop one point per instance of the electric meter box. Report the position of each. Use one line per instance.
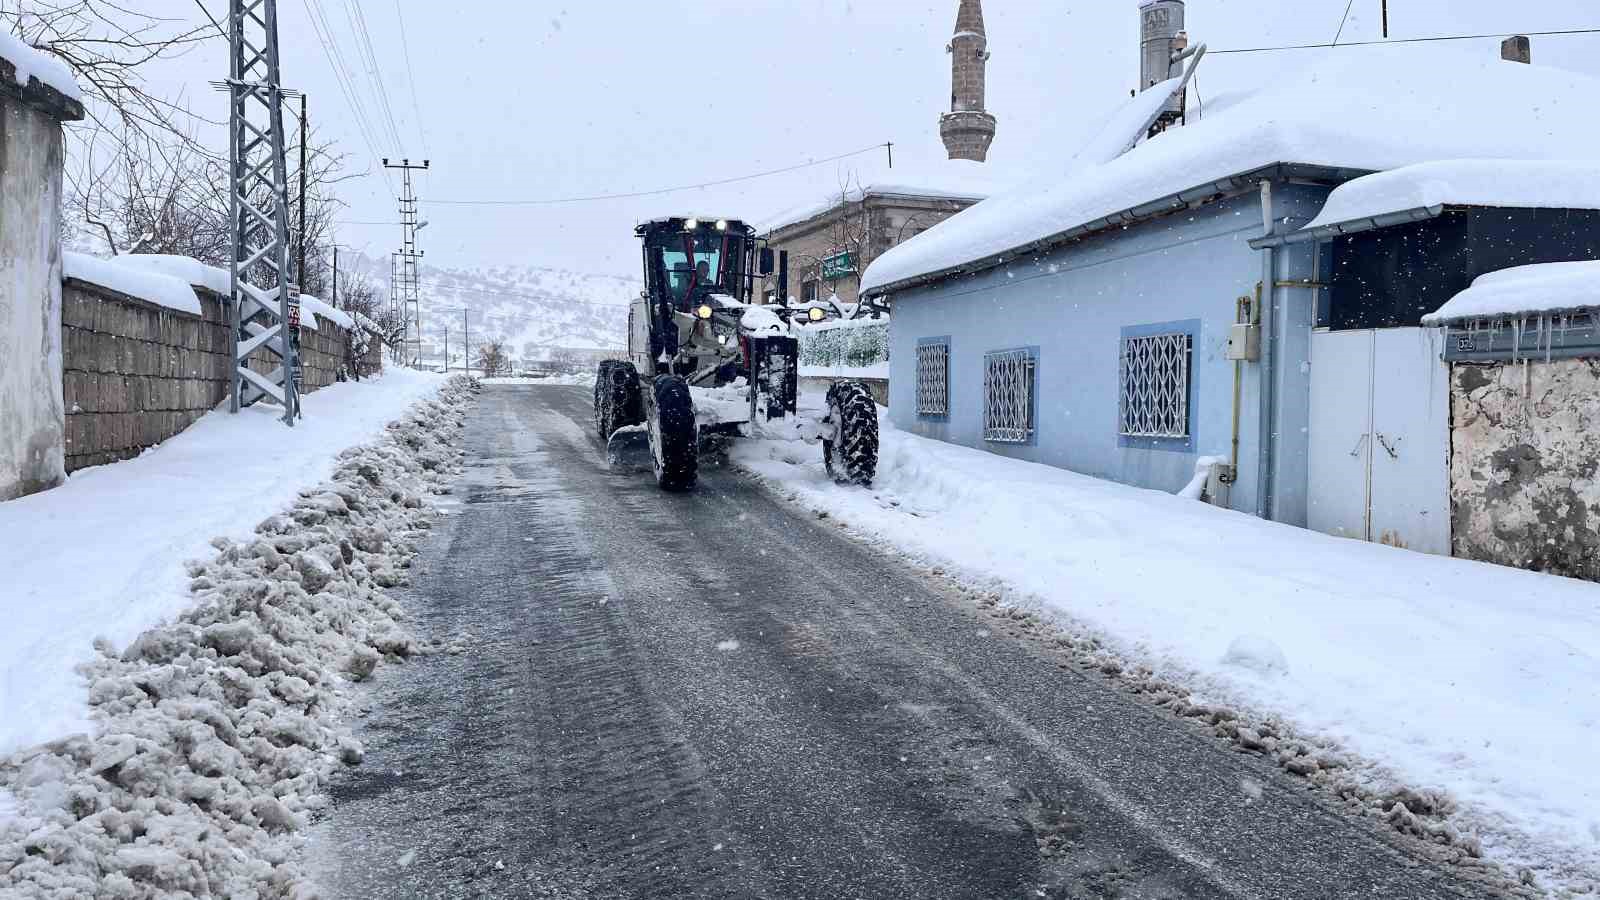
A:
(1244, 342)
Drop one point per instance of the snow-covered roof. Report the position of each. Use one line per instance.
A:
(31, 63)
(1524, 290)
(953, 179)
(1364, 109)
(1516, 183)
(151, 287)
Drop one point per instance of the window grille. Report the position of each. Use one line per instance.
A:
(1008, 384)
(933, 379)
(1155, 386)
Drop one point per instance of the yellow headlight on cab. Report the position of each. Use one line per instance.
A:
(816, 314)
(704, 311)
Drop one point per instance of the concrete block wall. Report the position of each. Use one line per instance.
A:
(135, 374)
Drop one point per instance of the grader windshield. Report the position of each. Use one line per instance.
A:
(690, 260)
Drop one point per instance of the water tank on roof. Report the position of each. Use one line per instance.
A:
(1160, 24)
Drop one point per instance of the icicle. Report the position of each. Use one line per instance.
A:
(1516, 338)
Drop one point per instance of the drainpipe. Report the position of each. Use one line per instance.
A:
(1266, 293)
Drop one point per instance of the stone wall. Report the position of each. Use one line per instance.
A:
(31, 157)
(1525, 446)
(136, 373)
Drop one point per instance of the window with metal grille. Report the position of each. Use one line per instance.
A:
(1155, 385)
(1008, 385)
(933, 378)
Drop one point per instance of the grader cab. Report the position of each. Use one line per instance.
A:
(693, 328)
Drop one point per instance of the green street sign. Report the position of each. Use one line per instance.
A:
(837, 266)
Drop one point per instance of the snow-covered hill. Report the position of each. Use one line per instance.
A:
(533, 307)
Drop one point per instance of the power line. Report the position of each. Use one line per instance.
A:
(358, 26)
(1420, 40)
(416, 108)
(659, 191)
(213, 20)
(346, 82)
(1340, 33)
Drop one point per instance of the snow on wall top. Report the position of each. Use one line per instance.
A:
(219, 281)
(158, 278)
(954, 179)
(1520, 183)
(193, 271)
(31, 63)
(1524, 290)
(321, 308)
(152, 287)
(1373, 108)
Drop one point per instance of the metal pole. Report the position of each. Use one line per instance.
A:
(335, 276)
(300, 267)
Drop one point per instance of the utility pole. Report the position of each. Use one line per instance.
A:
(300, 268)
(264, 312)
(447, 350)
(466, 339)
(407, 280)
(335, 276)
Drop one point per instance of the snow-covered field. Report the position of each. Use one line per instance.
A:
(214, 731)
(102, 555)
(1371, 667)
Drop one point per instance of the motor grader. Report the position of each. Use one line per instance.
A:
(694, 329)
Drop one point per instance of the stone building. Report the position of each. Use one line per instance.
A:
(831, 242)
(37, 94)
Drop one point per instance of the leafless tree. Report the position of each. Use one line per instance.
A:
(492, 358)
(108, 45)
(360, 296)
(850, 233)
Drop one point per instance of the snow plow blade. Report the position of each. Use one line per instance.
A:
(628, 450)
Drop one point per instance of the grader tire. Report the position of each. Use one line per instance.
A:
(674, 435)
(852, 458)
(617, 403)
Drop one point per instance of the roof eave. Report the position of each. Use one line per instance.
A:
(1171, 203)
(1352, 226)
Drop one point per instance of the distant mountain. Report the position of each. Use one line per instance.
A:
(534, 308)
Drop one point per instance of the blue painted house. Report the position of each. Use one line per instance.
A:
(1149, 309)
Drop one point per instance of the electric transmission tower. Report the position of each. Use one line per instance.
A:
(266, 307)
(407, 282)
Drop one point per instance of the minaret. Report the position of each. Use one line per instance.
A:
(967, 128)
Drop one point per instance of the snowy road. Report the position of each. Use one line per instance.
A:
(713, 695)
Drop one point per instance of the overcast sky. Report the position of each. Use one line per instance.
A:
(538, 100)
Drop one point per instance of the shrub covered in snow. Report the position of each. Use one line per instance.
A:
(216, 732)
(855, 343)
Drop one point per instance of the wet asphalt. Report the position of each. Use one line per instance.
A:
(717, 695)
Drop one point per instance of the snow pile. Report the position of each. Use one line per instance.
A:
(1373, 108)
(214, 733)
(100, 555)
(1524, 290)
(1473, 680)
(149, 286)
(31, 63)
(1513, 183)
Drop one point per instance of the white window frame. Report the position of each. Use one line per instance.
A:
(1010, 395)
(1155, 375)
